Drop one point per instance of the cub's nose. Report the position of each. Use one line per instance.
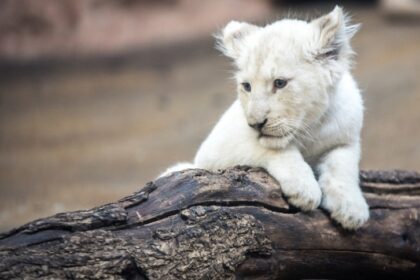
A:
(258, 126)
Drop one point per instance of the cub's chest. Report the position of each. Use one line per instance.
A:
(320, 140)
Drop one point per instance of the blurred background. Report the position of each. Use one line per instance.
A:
(97, 97)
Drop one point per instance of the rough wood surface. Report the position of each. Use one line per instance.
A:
(235, 223)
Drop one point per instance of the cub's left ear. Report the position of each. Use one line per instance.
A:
(333, 34)
(231, 40)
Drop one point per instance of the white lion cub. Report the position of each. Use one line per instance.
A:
(298, 113)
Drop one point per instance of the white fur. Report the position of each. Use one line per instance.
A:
(311, 140)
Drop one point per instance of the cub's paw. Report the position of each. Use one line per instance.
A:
(350, 210)
(303, 192)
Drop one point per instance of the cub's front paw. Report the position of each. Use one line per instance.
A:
(349, 209)
(302, 192)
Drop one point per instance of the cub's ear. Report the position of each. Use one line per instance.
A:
(333, 34)
(230, 41)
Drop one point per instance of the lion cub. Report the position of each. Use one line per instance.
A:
(298, 114)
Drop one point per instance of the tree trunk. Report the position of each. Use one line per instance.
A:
(232, 224)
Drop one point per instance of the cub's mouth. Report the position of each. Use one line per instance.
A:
(279, 136)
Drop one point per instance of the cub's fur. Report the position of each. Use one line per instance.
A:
(299, 113)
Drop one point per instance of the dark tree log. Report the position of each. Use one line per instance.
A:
(232, 224)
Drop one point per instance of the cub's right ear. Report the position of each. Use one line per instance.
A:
(230, 40)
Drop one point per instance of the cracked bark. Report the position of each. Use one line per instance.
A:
(234, 224)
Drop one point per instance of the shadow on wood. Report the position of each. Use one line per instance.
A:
(232, 224)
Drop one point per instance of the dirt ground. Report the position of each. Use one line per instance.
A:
(91, 134)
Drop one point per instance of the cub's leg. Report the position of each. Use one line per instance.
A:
(296, 178)
(177, 167)
(339, 181)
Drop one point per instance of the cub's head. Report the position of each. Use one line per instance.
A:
(287, 71)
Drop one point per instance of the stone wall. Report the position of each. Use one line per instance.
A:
(50, 28)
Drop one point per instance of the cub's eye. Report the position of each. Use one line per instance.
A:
(280, 83)
(246, 86)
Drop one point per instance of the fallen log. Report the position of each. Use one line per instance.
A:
(234, 223)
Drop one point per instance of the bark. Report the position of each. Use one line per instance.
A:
(235, 224)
